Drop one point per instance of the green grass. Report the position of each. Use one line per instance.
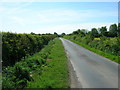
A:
(46, 69)
(53, 74)
(17, 76)
(109, 56)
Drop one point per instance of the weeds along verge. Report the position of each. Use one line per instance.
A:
(104, 46)
(45, 69)
(54, 72)
(17, 76)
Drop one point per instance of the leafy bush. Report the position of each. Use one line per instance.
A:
(17, 76)
(17, 46)
(105, 44)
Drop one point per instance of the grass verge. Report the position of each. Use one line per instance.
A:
(45, 69)
(53, 74)
(109, 56)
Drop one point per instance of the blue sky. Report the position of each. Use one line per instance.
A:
(50, 17)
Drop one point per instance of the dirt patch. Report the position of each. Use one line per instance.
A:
(49, 59)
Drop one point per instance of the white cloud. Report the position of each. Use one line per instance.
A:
(23, 20)
(53, 16)
(18, 20)
(2, 9)
(62, 16)
(13, 8)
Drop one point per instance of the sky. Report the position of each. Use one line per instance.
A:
(50, 17)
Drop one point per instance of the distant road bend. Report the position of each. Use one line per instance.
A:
(92, 70)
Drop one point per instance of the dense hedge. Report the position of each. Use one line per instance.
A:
(17, 76)
(18, 46)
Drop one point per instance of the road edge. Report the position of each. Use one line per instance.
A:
(73, 79)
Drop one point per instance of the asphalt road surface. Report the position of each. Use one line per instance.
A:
(92, 70)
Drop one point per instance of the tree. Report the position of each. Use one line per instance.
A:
(75, 32)
(113, 30)
(56, 34)
(84, 31)
(63, 34)
(32, 33)
(103, 31)
(118, 31)
(94, 32)
(80, 32)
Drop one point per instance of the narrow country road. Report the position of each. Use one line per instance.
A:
(92, 70)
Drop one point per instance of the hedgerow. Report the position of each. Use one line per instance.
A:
(17, 76)
(18, 46)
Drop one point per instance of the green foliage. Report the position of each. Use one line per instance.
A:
(56, 34)
(103, 31)
(63, 34)
(105, 46)
(40, 70)
(101, 41)
(17, 46)
(98, 51)
(55, 72)
(18, 75)
(80, 32)
(118, 30)
(113, 30)
(95, 32)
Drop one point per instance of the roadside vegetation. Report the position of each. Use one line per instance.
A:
(18, 46)
(44, 69)
(101, 41)
(39, 61)
(54, 74)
